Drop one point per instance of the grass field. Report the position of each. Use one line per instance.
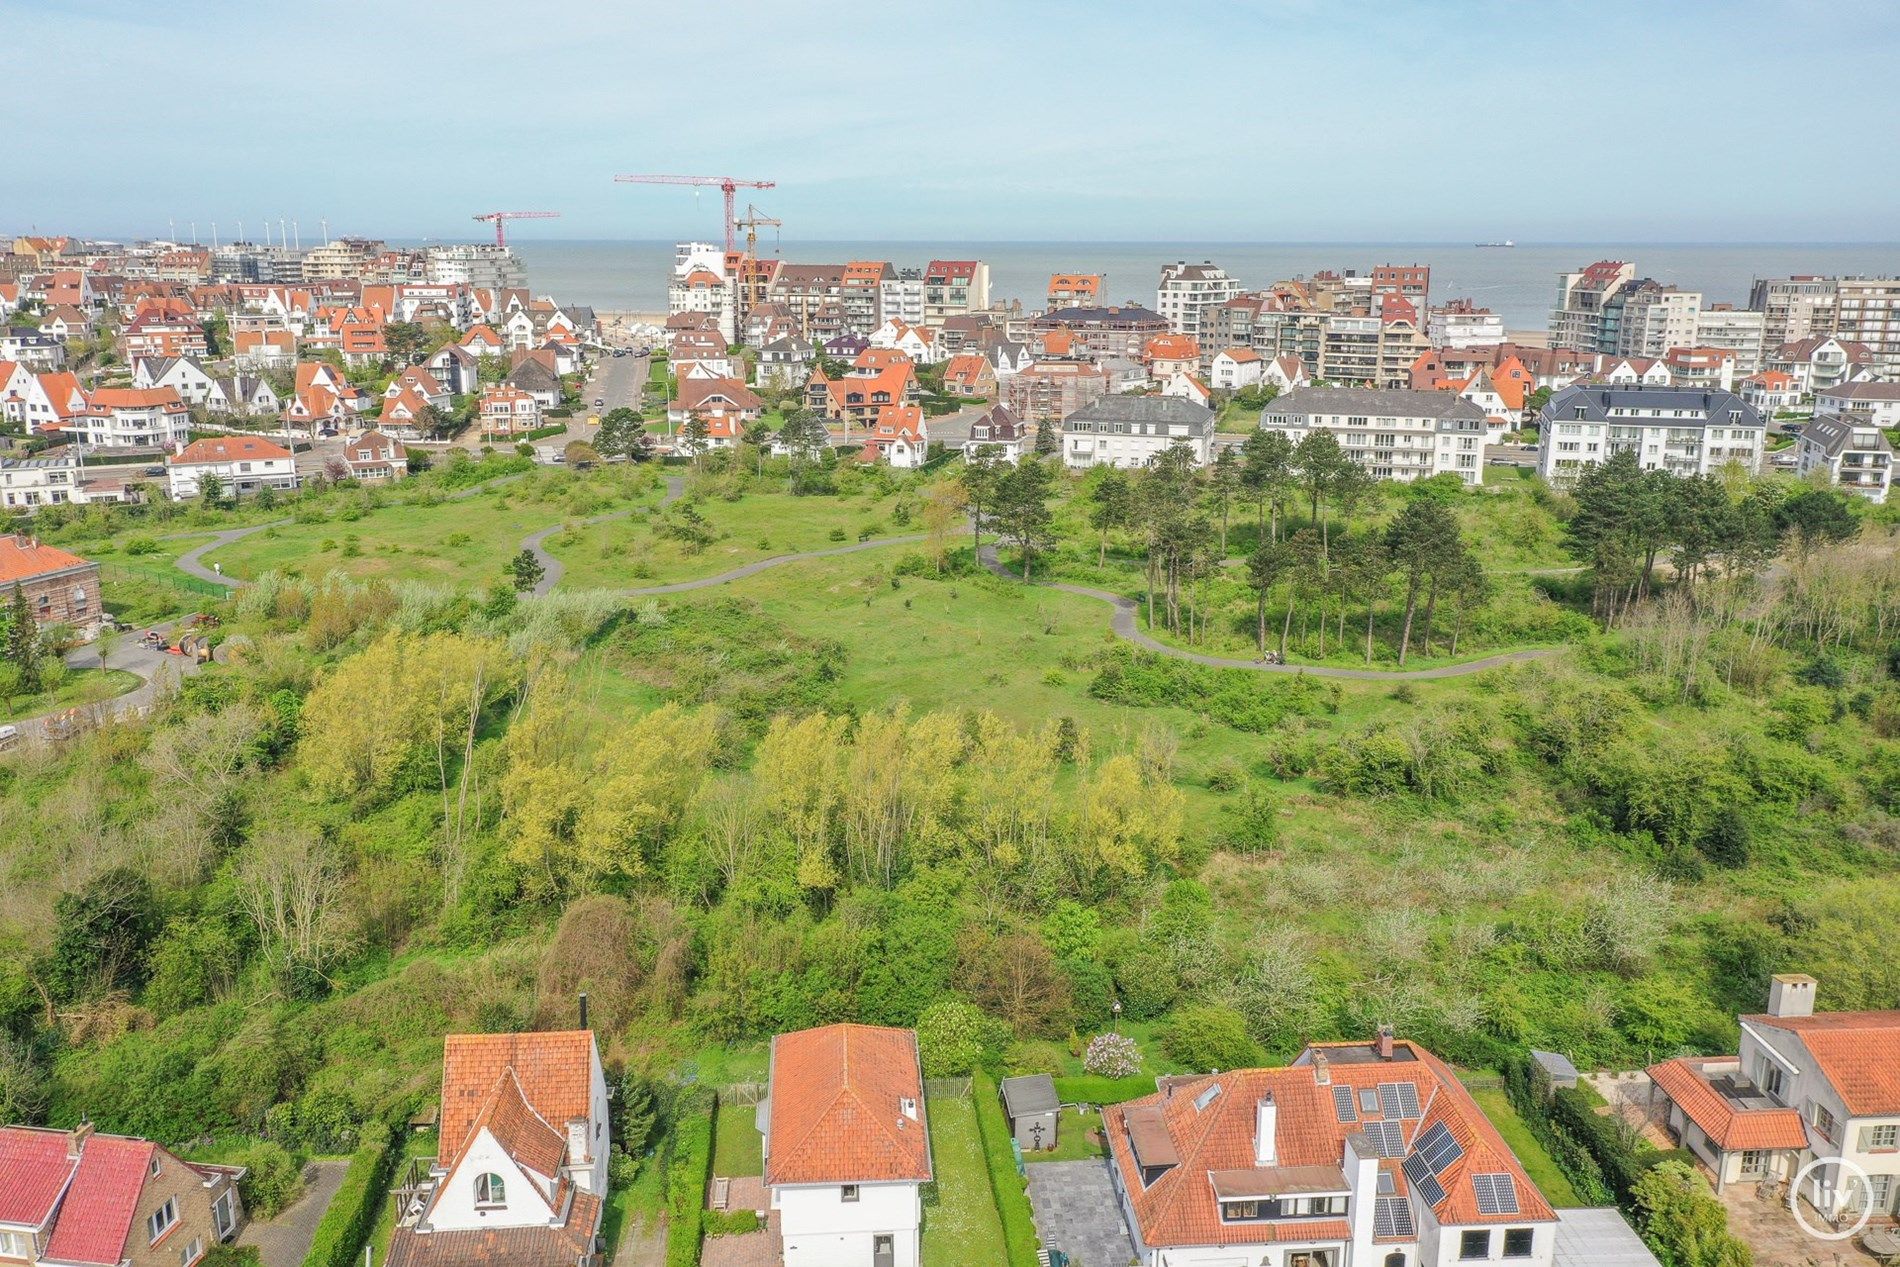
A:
(962, 1228)
(462, 542)
(738, 1148)
(1537, 1163)
(1073, 1138)
(631, 551)
(82, 686)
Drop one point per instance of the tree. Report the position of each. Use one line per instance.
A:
(1225, 483)
(619, 433)
(210, 488)
(291, 883)
(1815, 518)
(1420, 541)
(526, 570)
(1206, 1036)
(1048, 440)
(758, 435)
(1111, 506)
(1683, 1220)
(1022, 508)
(1266, 474)
(101, 934)
(407, 341)
(695, 436)
(951, 1038)
(1320, 461)
(1265, 569)
(579, 454)
(979, 477)
(943, 506)
(24, 650)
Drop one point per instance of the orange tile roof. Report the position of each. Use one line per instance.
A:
(1178, 1207)
(136, 398)
(554, 1070)
(1241, 355)
(523, 1134)
(1172, 347)
(229, 449)
(23, 558)
(1729, 1127)
(836, 1107)
(1858, 1053)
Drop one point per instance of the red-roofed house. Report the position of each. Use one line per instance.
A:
(375, 458)
(131, 417)
(899, 436)
(1235, 368)
(1770, 391)
(1166, 355)
(1801, 1086)
(61, 588)
(242, 465)
(1357, 1153)
(90, 1200)
(846, 1146)
(520, 1174)
(970, 375)
(157, 333)
(264, 349)
(509, 411)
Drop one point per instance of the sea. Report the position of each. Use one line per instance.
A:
(1519, 283)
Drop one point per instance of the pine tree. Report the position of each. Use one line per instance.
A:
(23, 650)
(527, 571)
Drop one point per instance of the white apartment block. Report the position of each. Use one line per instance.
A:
(1131, 431)
(1657, 318)
(1460, 325)
(1583, 297)
(700, 284)
(1189, 291)
(1867, 310)
(1682, 430)
(1401, 435)
(1880, 402)
(1793, 308)
(1738, 331)
(475, 264)
(1852, 449)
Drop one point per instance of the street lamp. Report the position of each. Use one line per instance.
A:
(1116, 1007)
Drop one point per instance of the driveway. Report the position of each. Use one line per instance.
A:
(160, 670)
(285, 1240)
(1076, 1212)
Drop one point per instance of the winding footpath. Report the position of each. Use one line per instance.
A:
(552, 569)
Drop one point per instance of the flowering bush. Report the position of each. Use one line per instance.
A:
(1112, 1056)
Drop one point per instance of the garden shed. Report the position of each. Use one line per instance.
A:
(1031, 1103)
(1557, 1068)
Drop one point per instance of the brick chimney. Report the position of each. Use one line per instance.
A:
(76, 1140)
(1382, 1045)
(1791, 994)
(1322, 1072)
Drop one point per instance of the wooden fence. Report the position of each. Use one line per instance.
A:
(948, 1088)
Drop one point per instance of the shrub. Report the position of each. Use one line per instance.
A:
(688, 1171)
(346, 1224)
(1226, 776)
(952, 1037)
(141, 545)
(272, 1180)
(1239, 698)
(729, 1222)
(1209, 1036)
(1012, 1199)
(1112, 1056)
(1683, 1221)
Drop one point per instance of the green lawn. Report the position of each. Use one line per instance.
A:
(630, 551)
(1537, 1163)
(738, 1148)
(962, 1228)
(1073, 1138)
(82, 686)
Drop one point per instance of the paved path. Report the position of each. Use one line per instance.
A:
(552, 568)
(642, 1243)
(160, 670)
(285, 1240)
(777, 560)
(1124, 622)
(1076, 1212)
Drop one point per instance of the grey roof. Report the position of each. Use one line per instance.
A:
(1374, 402)
(1862, 390)
(1556, 1064)
(998, 424)
(1833, 434)
(1031, 1093)
(1598, 1237)
(1597, 399)
(1088, 316)
(1161, 409)
(790, 345)
(533, 376)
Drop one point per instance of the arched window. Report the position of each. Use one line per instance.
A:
(489, 1190)
(1395, 1260)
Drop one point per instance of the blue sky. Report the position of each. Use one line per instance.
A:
(1266, 120)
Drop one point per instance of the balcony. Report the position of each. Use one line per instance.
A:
(413, 1191)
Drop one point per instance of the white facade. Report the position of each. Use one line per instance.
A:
(1656, 319)
(1737, 331)
(131, 426)
(902, 299)
(32, 482)
(180, 373)
(1393, 435)
(1684, 431)
(475, 264)
(1131, 431)
(847, 1225)
(1464, 327)
(239, 473)
(700, 284)
(1236, 368)
(1853, 451)
(1878, 401)
(1190, 291)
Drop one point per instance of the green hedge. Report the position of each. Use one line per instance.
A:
(688, 1171)
(1596, 1151)
(352, 1213)
(1012, 1199)
(1527, 1089)
(542, 433)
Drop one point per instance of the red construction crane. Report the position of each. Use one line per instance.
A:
(727, 184)
(501, 219)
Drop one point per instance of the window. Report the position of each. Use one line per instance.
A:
(162, 1220)
(223, 1222)
(79, 595)
(16, 1245)
(1887, 1136)
(1474, 1245)
(192, 1252)
(848, 1193)
(1754, 1163)
(490, 1190)
(1517, 1241)
(1823, 1121)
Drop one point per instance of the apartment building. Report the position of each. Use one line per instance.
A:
(1102, 332)
(901, 297)
(1867, 310)
(700, 284)
(1358, 1154)
(1682, 430)
(1853, 451)
(1583, 301)
(1413, 281)
(1879, 401)
(1793, 308)
(1802, 1087)
(1400, 435)
(1368, 351)
(1049, 391)
(1822, 361)
(1648, 319)
(242, 465)
(1075, 290)
(955, 288)
(131, 417)
(474, 264)
(1462, 324)
(1188, 291)
(1131, 431)
(345, 258)
(1741, 332)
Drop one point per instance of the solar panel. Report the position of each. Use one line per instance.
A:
(1408, 1100)
(1423, 1182)
(1387, 1137)
(1368, 1099)
(1342, 1104)
(1392, 1216)
(1497, 1193)
(1389, 1100)
(1437, 1148)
